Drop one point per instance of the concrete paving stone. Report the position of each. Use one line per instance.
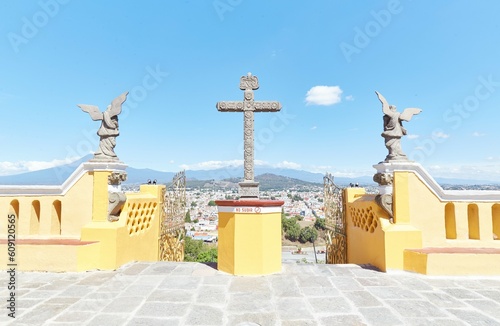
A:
(305, 281)
(413, 283)
(26, 303)
(376, 316)
(392, 292)
(262, 319)
(184, 269)
(90, 305)
(249, 284)
(219, 279)
(347, 320)
(416, 308)
(160, 309)
(32, 285)
(180, 282)
(433, 321)
(123, 305)
(204, 270)
(362, 299)
(441, 299)
(137, 290)
(40, 314)
(284, 286)
(171, 296)
(134, 268)
(212, 294)
(473, 318)
(60, 324)
(153, 280)
(57, 285)
(294, 269)
(159, 268)
(300, 322)
(108, 320)
(367, 272)
(293, 308)
(335, 305)
(440, 282)
(39, 294)
(67, 301)
(490, 294)
(248, 302)
(491, 308)
(377, 281)
(204, 315)
(144, 321)
(346, 283)
(74, 317)
(320, 292)
(478, 282)
(77, 291)
(461, 293)
(341, 271)
(96, 279)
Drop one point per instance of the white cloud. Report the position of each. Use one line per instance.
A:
(478, 134)
(324, 95)
(314, 128)
(440, 134)
(211, 165)
(349, 98)
(171, 162)
(9, 168)
(488, 172)
(412, 136)
(288, 165)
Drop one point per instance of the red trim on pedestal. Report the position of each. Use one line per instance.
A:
(250, 202)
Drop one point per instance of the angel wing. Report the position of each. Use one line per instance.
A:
(385, 105)
(116, 106)
(409, 113)
(93, 110)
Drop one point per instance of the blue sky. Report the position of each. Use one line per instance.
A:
(178, 58)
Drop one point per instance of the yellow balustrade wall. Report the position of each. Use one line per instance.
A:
(65, 228)
(134, 237)
(427, 219)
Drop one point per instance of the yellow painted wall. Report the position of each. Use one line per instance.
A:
(76, 211)
(249, 244)
(81, 214)
(427, 213)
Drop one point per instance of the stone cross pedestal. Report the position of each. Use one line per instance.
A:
(249, 188)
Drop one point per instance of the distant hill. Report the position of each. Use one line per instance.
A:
(267, 176)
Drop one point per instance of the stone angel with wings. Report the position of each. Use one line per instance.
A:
(393, 128)
(109, 127)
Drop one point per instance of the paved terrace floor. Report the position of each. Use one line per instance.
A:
(166, 293)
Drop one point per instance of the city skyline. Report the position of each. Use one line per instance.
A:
(323, 60)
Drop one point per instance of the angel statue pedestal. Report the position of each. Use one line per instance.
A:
(109, 128)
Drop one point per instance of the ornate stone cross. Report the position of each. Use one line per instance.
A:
(249, 188)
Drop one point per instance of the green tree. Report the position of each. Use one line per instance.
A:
(212, 203)
(308, 234)
(293, 232)
(287, 223)
(319, 224)
(299, 217)
(187, 219)
(193, 204)
(198, 251)
(207, 256)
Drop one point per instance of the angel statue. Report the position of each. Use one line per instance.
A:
(393, 128)
(109, 127)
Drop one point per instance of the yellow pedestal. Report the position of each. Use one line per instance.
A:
(249, 237)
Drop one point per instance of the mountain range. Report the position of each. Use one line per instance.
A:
(57, 175)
